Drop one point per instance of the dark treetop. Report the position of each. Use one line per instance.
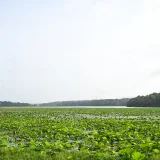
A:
(151, 100)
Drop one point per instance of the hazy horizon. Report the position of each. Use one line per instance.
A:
(78, 49)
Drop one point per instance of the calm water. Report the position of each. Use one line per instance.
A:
(84, 107)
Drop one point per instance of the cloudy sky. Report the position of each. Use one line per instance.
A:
(54, 50)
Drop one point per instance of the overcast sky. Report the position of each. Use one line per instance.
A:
(54, 50)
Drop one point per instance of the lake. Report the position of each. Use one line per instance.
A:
(83, 107)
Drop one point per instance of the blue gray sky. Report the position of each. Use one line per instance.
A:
(53, 50)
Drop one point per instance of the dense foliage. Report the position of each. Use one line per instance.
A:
(101, 102)
(151, 100)
(97, 134)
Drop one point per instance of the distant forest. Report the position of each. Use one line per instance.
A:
(101, 102)
(151, 100)
(16, 104)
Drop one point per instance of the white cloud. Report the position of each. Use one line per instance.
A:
(155, 74)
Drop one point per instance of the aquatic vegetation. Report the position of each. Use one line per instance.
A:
(100, 133)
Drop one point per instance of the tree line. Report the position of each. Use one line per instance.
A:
(14, 104)
(151, 100)
(101, 102)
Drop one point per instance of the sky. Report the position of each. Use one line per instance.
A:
(55, 50)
